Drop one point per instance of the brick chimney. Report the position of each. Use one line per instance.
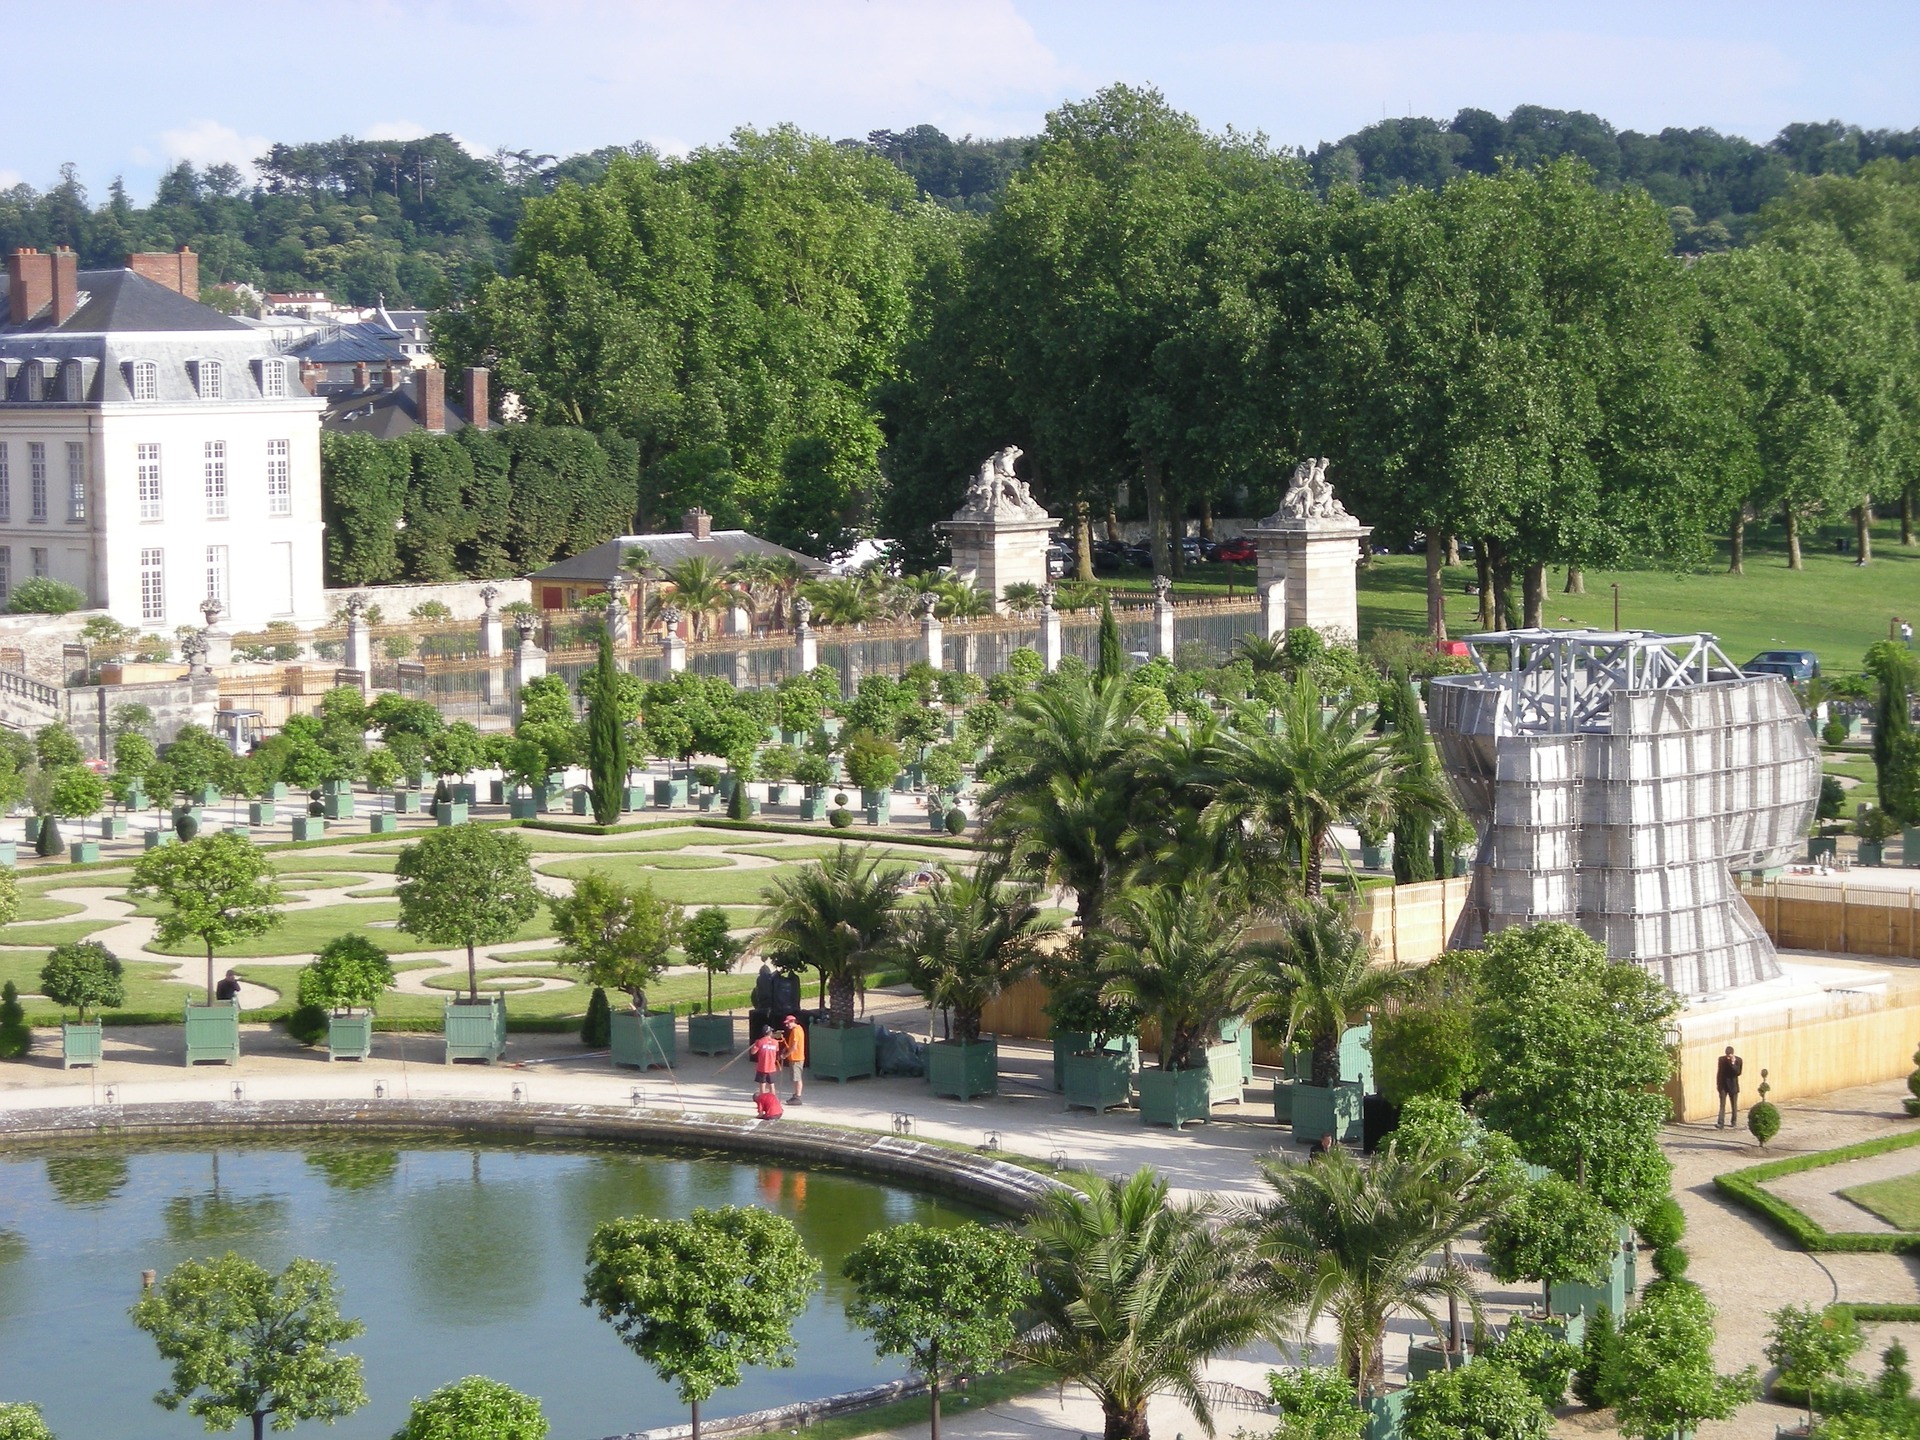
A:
(66, 285)
(178, 270)
(362, 376)
(29, 284)
(430, 399)
(697, 523)
(392, 382)
(475, 387)
(311, 374)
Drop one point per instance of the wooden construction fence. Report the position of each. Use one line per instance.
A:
(1839, 918)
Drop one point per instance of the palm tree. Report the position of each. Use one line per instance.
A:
(1354, 1242)
(835, 915)
(1177, 952)
(1134, 1294)
(1060, 809)
(973, 938)
(1022, 597)
(636, 562)
(1281, 791)
(754, 579)
(1265, 655)
(839, 600)
(699, 592)
(1320, 977)
(960, 601)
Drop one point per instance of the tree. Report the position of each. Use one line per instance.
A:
(1315, 1404)
(1552, 1232)
(1321, 978)
(248, 1344)
(619, 935)
(465, 886)
(133, 758)
(1419, 796)
(473, 1407)
(1353, 1243)
(706, 941)
(1425, 1039)
(700, 1298)
(349, 972)
(84, 973)
(54, 746)
(1133, 1294)
(197, 758)
(945, 1298)
(1178, 953)
(1483, 1400)
(42, 596)
(1113, 661)
(76, 793)
(1811, 1349)
(1663, 1366)
(975, 936)
(836, 916)
(23, 1422)
(455, 750)
(1574, 1054)
(219, 890)
(607, 763)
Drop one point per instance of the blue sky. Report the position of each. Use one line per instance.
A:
(218, 80)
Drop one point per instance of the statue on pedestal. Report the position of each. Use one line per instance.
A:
(996, 492)
(1309, 495)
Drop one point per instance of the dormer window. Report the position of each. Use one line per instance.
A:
(74, 378)
(143, 380)
(273, 379)
(208, 381)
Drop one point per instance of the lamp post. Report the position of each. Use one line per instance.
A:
(1615, 587)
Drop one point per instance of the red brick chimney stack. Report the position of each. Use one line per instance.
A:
(311, 374)
(362, 376)
(29, 284)
(66, 285)
(697, 523)
(178, 270)
(476, 397)
(430, 399)
(392, 381)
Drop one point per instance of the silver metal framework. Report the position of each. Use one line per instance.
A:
(1616, 780)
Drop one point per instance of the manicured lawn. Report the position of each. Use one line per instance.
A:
(305, 930)
(321, 863)
(544, 842)
(805, 850)
(40, 907)
(47, 936)
(723, 886)
(1896, 1201)
(149, 994)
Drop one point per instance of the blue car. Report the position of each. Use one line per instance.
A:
(1798, 666)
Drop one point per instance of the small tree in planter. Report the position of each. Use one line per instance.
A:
(1320, 979)
(76, 793)
(815, 771)
(1663, 1366)
(872, 762)
(778, 764)
(474, 1407)
(219, 890)
(1812, 1348)
(619, 937)
(835, 916)
(1178, 953)
(707, 942)
(944, 1298)
(942, 770)
(975, 936)
(1553, 1231)
(1483, 1400)
(701, 1298)
(458, 750)
(468, 887)
(349, 974)
(84, 975)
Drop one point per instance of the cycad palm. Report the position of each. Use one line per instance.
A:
(836, 916)
(1134, 1294)
(699, 592)
(1354, 1242)
(839, 600)
(973, 938)
(1177, 952)
(1319, 976)
(1281, 791)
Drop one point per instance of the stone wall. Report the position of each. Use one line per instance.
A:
(173, 702)
(462, 597)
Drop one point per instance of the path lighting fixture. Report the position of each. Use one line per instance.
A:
(111, 1097)
(519, 1093)
(638, 1098)
(379, 1089)
(239, 1092)
(902, 1123)
(1058, 1160)
(990, 1140)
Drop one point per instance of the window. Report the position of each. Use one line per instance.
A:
(279, 478)
(153, 586)
(147, 471)
(37, 480)
(208, 380)
(273, 379)
(6, 572)
(39, 555)
(6, 486)
(76, 482)
(146, 380)
(216, 479)
(217, 573)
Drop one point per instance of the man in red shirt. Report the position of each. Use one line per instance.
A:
(766, 1060)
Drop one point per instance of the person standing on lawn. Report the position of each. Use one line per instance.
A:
(793, 1050)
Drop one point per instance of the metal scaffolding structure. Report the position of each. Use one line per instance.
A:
(1616, 780)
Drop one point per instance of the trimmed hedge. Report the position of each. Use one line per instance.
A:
(1745, 1188)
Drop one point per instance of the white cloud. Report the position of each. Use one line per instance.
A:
(11, 178)
(208, 142)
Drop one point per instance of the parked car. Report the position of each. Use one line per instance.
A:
(1192, 551)
(1238, 551)
(1798, 666)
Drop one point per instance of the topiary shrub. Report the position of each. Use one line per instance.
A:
(738, 806)
(596, 1030)
(1590, 1384)
(1763, 1120)
(185, 826)
(841, 818)
(1670, 1262)
(956, 820)
(1833, 734)
(1912, 1100)
(85, 975)
(15, 1038)
(307, 1024)
(1664, 1224)
(48, 842)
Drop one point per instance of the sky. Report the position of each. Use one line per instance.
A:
(219, 81)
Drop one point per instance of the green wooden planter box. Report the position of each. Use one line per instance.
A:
(339, 805)
(643, 1041)
(154, 839)
(1822, 847)
(710, 1034)
(1384, 1414)
(633, 797)
(1283, 1100)
(1238, 1033)
(776, 793)
(669, 793)
(1097, 1080)
(79, 1044)
(964, 1070)
(137, 797)
(406, 802)
(583, 802)
(83, 852)
(34, 823)
(278, 790)
(1429, 1358)
(1356, 1057)
(476, 1029)
(1078, 1042)
(841, 1055)
(262, 812)
(1910, 846)
(383, 822)
(727, 781)
(452, 813)
(1175, 1097)
(213, 1033)
(1326, 1110)
(1376, 857)
(350, 1037)
(9, 855)
(871, 798)
(466, 794)
(881, 814)
(496, 792)
(814, 807)
(208, 795)
(242, 831)
(309, 827)
(336, 787)
(1873, 852)
(1223, 1074)
(524, 807)
(113, 827)
(710, 800)
(1573, 1298)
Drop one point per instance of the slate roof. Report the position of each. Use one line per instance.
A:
(383, 414)
(723, 547)
(119, 300)
(351, 344)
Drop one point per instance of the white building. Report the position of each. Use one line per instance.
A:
(153, 452)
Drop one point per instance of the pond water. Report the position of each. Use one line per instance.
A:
(461, 1259)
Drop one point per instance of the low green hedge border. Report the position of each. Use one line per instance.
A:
(814, 832)
(1744, 1188)
(1869, 1314)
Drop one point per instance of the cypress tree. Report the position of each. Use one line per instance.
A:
(1896, 749)
(596, 1026)
(1113, 663)
(606, 737)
